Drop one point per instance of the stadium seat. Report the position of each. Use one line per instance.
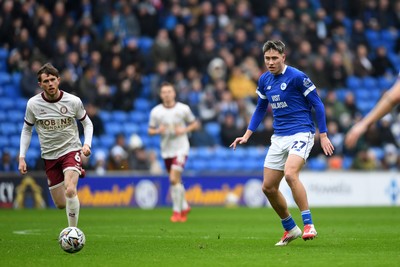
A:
(142, 104)
(113, 128)
(3, 115)
(145, 44)
(119, 116)
(16, 114)
(5, 78)
(106, 141)
(20, 103)
(223, 153)
(6, 103)
(369, 82)
(4, 141)
(200, 165)
(129, 128)
(218, 165)
(317, 164)
(385, 83)
(3, 53)
(14, 140)
(105, 116)
(8, 128)
(138, 116)
(214, 129)
(353, 82)
(347, 163)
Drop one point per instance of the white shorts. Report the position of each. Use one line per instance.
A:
(281, 146)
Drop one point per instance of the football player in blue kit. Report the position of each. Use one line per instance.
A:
(292, 96)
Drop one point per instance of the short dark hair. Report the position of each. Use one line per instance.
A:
(276, 45)
(47, 69)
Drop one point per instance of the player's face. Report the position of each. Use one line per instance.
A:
(167, 95)
(274, 61)
(49, 83)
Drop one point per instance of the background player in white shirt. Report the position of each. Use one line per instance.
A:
(53, 113)
(292, 97)
(173, 121)
(388, 101)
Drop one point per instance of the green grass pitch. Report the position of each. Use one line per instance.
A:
(212, 236)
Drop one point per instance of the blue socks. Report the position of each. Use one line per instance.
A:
(306, 215)
(288, 223)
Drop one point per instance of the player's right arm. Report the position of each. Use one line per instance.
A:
(256, 119)
(26, 135)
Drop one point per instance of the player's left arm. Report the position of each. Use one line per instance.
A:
(319, 108)
(87, 128)
(88, 133)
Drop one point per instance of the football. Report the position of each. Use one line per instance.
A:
(72, 239)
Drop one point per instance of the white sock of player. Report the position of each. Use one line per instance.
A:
(176, 197)
(72, 209)
(185, 204)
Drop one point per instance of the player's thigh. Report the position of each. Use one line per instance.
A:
(294, 164)
(71, 177)
(272, 178)
(58, 195)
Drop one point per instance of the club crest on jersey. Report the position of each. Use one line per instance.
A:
(283, 86)
(63, 110)
(307, 82)
(269, 87)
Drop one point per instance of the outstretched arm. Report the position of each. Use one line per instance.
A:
(389, 100)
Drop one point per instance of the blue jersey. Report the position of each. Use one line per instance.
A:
(292, 96)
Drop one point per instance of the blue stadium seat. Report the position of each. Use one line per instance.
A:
(369, 82)
(106, 141)
(5, 78)
(385, 83)
(142, 104)
(105, 116)
(223, 153)
(6, 103)
(3, 53)
(240, 153)
(145, 44)
(353, 82)
(11, 90)
(200, 165)
(317, 164)
(3, 65)
(218, 165)
(129, 128)
(347, 163)
(4, 141)
(16, 114)
(113, 128)
(20, 103)
(15, 139)
(3, 115)
(119, 116)
(202, 153)
(138, 116)
(9, 128)
(214, 129)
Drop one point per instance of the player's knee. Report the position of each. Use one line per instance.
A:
(70, 192)
(269, 189)
(60, 205)
(291, 178)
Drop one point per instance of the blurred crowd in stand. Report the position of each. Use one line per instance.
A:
(212, 52)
